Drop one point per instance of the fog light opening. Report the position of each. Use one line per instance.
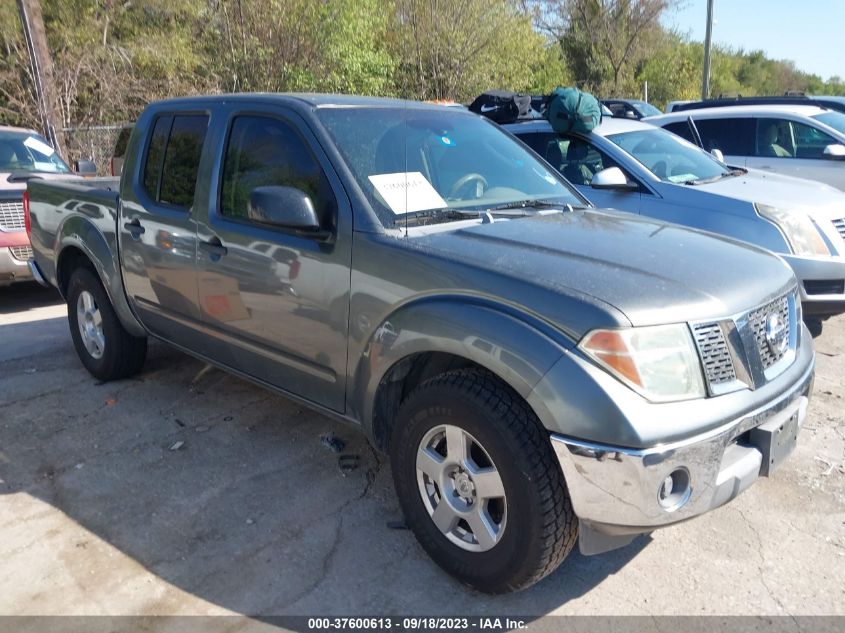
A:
(674, 491)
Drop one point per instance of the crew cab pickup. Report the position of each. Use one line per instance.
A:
(540, 373)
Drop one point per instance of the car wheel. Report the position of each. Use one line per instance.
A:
(479, 483)
(106, 349)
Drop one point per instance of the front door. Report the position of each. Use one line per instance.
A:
(276, 302)
(157, 228)
(578, 161)
(796, 149)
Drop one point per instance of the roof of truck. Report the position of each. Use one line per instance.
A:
(315, 99)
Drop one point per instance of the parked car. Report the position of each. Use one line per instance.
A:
(630, 108)
(802, 141)
(672, 106)
(24, 154)
(827, 102)
(636, 167)
(116, 162)
(454, 298)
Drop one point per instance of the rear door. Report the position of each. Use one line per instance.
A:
(275, 302)
(157, 229)
(734, 137)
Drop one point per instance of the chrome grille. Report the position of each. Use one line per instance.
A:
(757, 322)
(840, 226)
(715, 356)
(22, 253)
(11, 216)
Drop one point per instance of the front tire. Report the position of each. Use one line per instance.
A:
(106, 349)
(479, 484)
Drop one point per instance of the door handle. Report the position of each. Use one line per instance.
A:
(214, 247)
(135, 229)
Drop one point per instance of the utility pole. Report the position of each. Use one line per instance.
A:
(708, 43)
(42, 72)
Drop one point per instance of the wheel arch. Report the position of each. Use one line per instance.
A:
(424, 339)
(80, 243)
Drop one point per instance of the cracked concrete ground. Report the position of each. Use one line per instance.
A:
(252, 514)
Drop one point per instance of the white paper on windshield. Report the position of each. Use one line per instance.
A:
(421, 196)
(683, 178)
(39, 146)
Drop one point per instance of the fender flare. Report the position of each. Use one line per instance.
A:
(80, 233)
(514, 346)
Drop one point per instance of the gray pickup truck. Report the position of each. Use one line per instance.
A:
(539, 372)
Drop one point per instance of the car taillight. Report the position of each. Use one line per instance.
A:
(26, 221)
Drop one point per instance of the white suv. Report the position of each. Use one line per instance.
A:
(795, 140)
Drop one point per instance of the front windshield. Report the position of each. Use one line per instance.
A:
(836, 120)
(669, 157)
(646, 109)
(28, 152)
(450, 160)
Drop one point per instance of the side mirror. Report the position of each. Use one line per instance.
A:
(612, 178)
(85, 168)
(284, 207)
(835, 151)
(717, 154)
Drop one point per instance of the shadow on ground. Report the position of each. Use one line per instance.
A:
(224, 491)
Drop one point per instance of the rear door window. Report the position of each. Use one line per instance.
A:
(173, 157)
(734, 137)
(682, 129)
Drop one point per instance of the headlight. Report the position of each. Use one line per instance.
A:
(659, 362)
(800, 231)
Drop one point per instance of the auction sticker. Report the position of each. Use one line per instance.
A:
(407, 192)
(39, 146)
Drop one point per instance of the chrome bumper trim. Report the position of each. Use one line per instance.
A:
(614, 490)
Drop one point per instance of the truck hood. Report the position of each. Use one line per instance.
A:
(651, 272)
(785, 192)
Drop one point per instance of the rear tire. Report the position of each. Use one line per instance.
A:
(106, 349)
(474, 427)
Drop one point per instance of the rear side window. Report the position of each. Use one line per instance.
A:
(173, 157)
(734, 137)
(682, 129)
(264, 151)
(155, 155)
(122, 142)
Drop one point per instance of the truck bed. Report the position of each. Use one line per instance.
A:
(63, 208)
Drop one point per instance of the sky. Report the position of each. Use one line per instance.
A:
(809, 32)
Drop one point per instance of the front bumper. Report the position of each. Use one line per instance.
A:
(821, 281)
(12, 269)
(615, 491)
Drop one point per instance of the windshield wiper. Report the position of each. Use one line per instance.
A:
(536, 204)
(724, 174)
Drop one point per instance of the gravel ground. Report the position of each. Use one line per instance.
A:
(252, 515)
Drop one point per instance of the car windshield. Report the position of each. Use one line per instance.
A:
(28, 152)
(646, 109)
(836, 120)
(442, 164)
(669, 157)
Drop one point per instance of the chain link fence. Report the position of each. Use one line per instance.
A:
(94, 143)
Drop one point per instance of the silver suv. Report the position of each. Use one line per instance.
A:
(794, 140)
